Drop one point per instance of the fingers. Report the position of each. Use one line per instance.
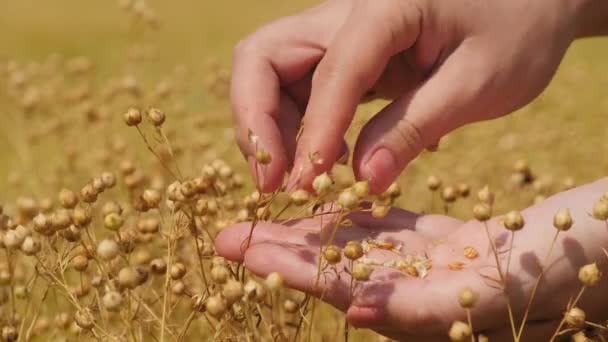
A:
(298, 266)
(278, 54)
(419, 118)
(232, 242)
(344, 75)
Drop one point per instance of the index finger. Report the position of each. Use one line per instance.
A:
(255, 99)
(276, 56)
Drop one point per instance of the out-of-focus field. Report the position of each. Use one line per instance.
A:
(563, 134)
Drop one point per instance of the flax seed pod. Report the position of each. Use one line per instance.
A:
(322, 183)
(467, 298)
(482, 212)
(562, 220)
(361, 189)
(460, 331)
(232, 291)
(332, 254)
(216, 306)
(274, 281)
(156, 116)
(299, 197)
(112, 300)
(67, 199)
(132, 117)
(348, 200)
(433, 183)
(362, 272)
(263, 157)
(514, 221)
(575, 318)
(290, 306)
(353, 250)
(177, 271)
(600, 210)
(449, 194)
(589, 275)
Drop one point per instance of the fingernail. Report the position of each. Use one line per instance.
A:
(381, 169)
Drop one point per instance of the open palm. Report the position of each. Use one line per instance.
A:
(392, 302)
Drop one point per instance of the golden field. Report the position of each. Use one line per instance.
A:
(70, 69)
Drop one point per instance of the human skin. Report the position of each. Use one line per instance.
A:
(443, 63)
(408, 308)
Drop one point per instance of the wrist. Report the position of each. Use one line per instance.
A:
(590, 17)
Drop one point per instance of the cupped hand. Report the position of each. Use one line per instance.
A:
(443, 63)
(401, 306)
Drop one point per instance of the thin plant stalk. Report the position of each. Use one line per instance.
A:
(503, 281)
(536, 284)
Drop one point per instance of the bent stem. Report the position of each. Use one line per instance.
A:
(535, 288)
(503, 280)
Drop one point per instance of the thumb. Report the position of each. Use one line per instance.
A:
(419, 118)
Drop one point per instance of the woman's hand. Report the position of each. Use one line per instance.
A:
(402, 306)
(443, 63)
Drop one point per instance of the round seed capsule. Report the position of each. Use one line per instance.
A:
(362, 272)
(361, 189)
(332, 254)
(463, 190)
(232, 291)
(158, 266)
(80, 263)
(449, 194)
(299, 197)
(290, 306)
(348, 200)
(562, 220)
(460, 332)
(112, 222)
(108, 249)
(379, 211)
(467, 298)
(67, 199)
(156, 116)
(433, 183)
(353, 250)
(216, 306)
(514, 221)
(575, 318)
(220, 274)
(482, 212)
(177, 271)
(112, 300)
(589, 275)
(274, 281)
(600, 210)
(132, 117)
(263, 157)
(322, 183)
